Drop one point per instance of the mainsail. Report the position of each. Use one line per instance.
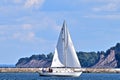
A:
(65, 54)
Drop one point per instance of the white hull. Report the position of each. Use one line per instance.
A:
(61, 74)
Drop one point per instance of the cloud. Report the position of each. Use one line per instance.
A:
(28, 37)
(27, 26)
(108, 7)
(103, 1)
(42, 22)
(22, 33)
(104, 16)
(33, 3)
(19, 6)
(103, 5)
(17, 1)
(50, 23)
(24, 37)
(28, 32)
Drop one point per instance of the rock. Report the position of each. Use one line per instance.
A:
(107, 62)
(35, 61)
(35, 64)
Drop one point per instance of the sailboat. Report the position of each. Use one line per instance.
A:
(65, 59)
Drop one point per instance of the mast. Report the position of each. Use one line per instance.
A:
(65, 42)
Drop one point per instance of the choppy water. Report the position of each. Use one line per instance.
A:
(35, 76)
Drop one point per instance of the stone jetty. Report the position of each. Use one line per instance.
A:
(19, 69)
(99, 70)
(84, 70)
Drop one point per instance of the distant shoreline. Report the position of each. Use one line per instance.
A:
(84, 70)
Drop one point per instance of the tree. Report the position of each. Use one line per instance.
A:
(50, 56)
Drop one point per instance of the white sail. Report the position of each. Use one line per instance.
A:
(65, 55)
(56, 62)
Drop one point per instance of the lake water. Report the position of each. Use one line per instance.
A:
(35, 76)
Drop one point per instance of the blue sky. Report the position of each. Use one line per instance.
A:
(32, 26)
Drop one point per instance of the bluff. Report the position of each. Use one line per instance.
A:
(108, 61)
(110, 58)
(100, 59)
(35, 61)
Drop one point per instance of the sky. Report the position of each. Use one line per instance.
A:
(30, 27)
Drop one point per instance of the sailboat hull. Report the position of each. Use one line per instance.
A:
(61, 74)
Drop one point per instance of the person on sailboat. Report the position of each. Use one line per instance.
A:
(50, 70)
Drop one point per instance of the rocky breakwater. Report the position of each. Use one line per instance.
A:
(19, 69)
(84, 70)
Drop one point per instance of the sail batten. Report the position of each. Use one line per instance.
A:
(65, 54)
